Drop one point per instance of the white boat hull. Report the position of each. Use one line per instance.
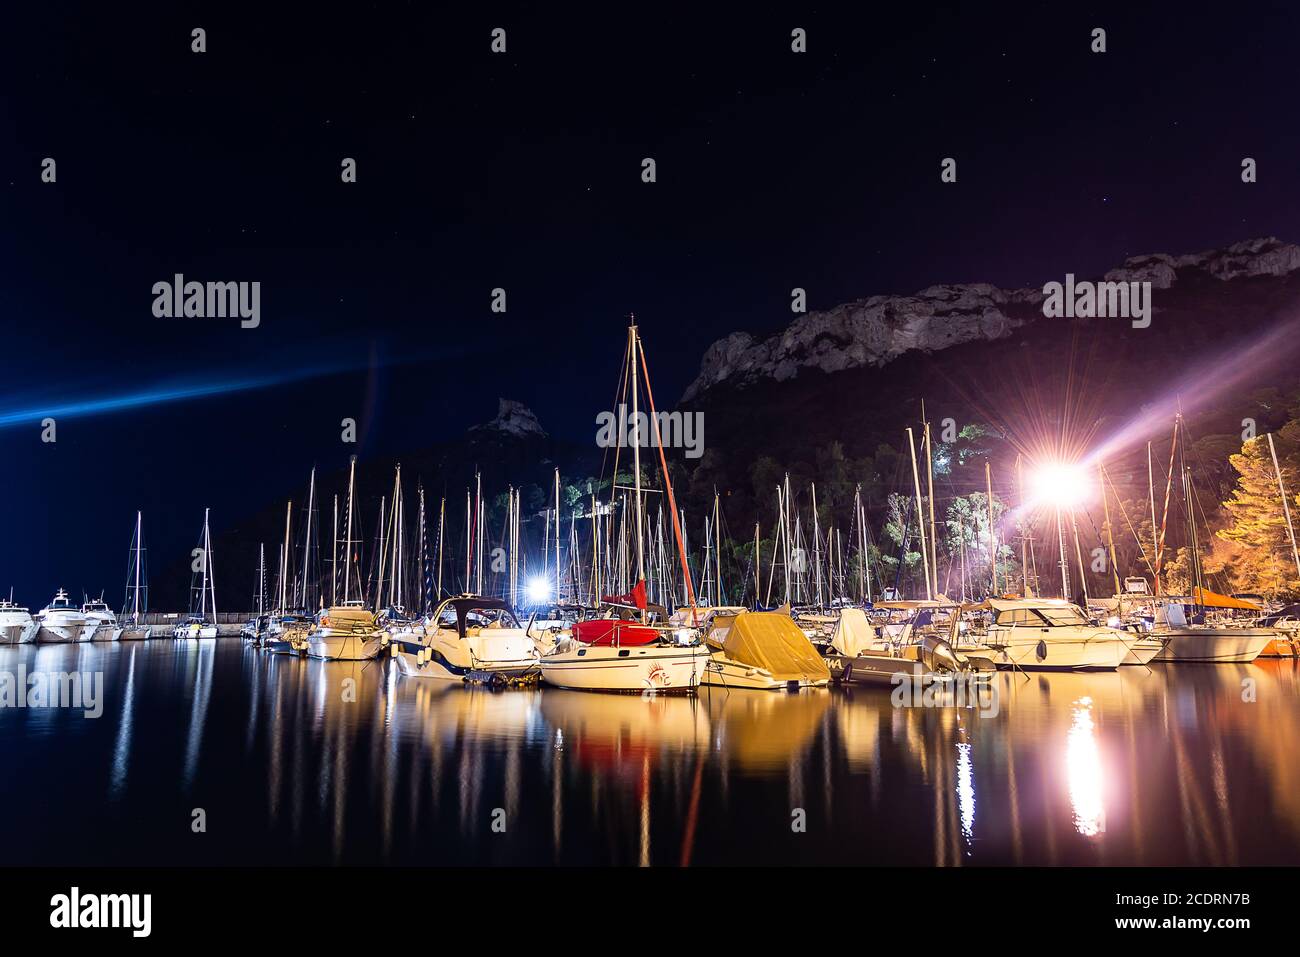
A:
(1058, 654)
(343, 647)
(663, 668)
(1143, 651)
(19, 634)
(1215, 645)
(723, 672)
(65, 632)
(187, 632)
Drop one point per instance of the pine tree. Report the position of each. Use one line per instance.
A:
(1257, 524)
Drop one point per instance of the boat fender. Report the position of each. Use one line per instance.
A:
(1041, 650)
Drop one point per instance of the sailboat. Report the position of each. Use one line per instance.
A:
(346, 631)
(201, 622)
(1183, 624)
(622, 651)
(136, 602)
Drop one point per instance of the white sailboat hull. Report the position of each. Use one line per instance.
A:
(1215, 645)
(661, 668)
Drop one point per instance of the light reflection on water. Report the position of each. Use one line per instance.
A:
(314, 762)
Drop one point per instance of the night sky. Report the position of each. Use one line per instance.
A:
(522, 170)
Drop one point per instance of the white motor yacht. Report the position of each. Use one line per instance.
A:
(98, 611)
(1051, 634)
(62, 621)
(17, 627)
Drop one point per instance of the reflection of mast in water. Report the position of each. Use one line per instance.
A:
(198, 711)
(122, 747)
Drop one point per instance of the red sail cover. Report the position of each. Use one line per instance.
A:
(635, 597)
(612, 631)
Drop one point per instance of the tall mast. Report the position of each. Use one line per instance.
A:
(1110, 538)
(934, 533)
(993, 535)
(668, 486)
(557, 535)
(817, 548)
(1286, 508)
(442, 521)
(135, 607)
(920, 520)
(334, 556)
(261, 579)
(284, 572)
(306, 546)
(636, 453)
(209, 576)
(347, 544)
(717, 542)
(1155, 543)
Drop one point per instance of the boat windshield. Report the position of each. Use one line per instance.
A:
(1053, 616)
(490, 618)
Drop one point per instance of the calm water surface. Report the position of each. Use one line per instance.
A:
(297, 761)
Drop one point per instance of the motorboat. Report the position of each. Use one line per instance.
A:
(62, 621)
(17, 627)
(468, 637)
(108, 629)
(346, 632)
(764, 651)
(287, 634)
(1051, 634)
(905, 646)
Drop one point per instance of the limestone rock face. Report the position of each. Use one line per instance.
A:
(874, 331)
(513, 418)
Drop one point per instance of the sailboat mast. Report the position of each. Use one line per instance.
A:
(347, 544)
(557, 535)
(993, 535)
(1286, 508)
(135, 606)
(636, 454)
(284, 572)
(920, 520)
(934, 532)
(209, 577)
(307, 541)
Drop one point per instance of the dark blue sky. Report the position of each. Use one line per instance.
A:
(522, 171)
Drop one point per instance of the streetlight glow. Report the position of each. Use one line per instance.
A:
(1059, 484)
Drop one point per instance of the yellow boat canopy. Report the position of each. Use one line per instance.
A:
(773, 642)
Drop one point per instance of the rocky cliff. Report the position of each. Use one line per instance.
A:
(874, 331)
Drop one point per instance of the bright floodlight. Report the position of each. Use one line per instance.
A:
(538, 591)
(1059, 484)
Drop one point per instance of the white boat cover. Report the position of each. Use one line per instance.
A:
(852, 633)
